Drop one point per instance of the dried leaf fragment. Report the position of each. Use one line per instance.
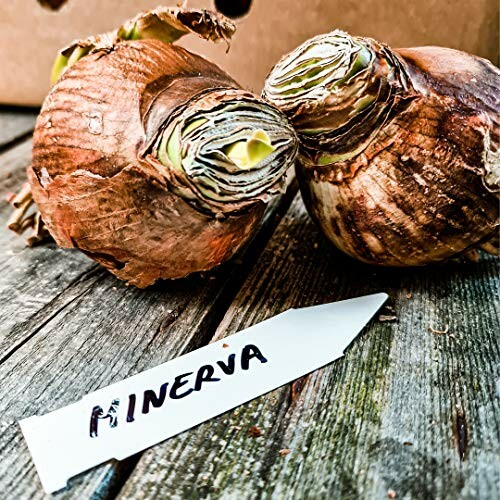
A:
(166, 24)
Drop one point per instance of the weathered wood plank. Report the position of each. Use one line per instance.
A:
(89, 331)
(30, 280)
(386, 417)
(15, 123)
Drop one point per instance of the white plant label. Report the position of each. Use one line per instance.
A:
(129, 416)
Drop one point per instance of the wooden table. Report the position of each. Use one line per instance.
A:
(408, 412)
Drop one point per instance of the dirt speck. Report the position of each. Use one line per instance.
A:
(254, 431)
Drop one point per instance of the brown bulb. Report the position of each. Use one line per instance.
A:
(150, 159)
(399, 158)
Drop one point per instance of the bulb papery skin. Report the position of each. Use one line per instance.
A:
(102, 186)
(399, 152)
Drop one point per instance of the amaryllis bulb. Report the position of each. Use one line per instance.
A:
(150, 159)
(399, 149)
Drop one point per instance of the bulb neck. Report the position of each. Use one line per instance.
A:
(336, 89)
(227, 147)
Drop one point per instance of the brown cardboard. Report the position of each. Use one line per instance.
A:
(30, 35)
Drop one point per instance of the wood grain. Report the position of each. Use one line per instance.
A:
(15, 123)
(383, 418)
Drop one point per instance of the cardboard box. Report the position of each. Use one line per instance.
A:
(30, 34)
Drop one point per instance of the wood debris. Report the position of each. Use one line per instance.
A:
(254, 431)
(439, 332)
(284, 452)
(384, 318)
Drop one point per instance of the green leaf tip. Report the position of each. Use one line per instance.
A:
(248, 154)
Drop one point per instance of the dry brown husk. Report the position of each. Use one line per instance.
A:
(420, 178)
(163, 23)
(94, 176)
